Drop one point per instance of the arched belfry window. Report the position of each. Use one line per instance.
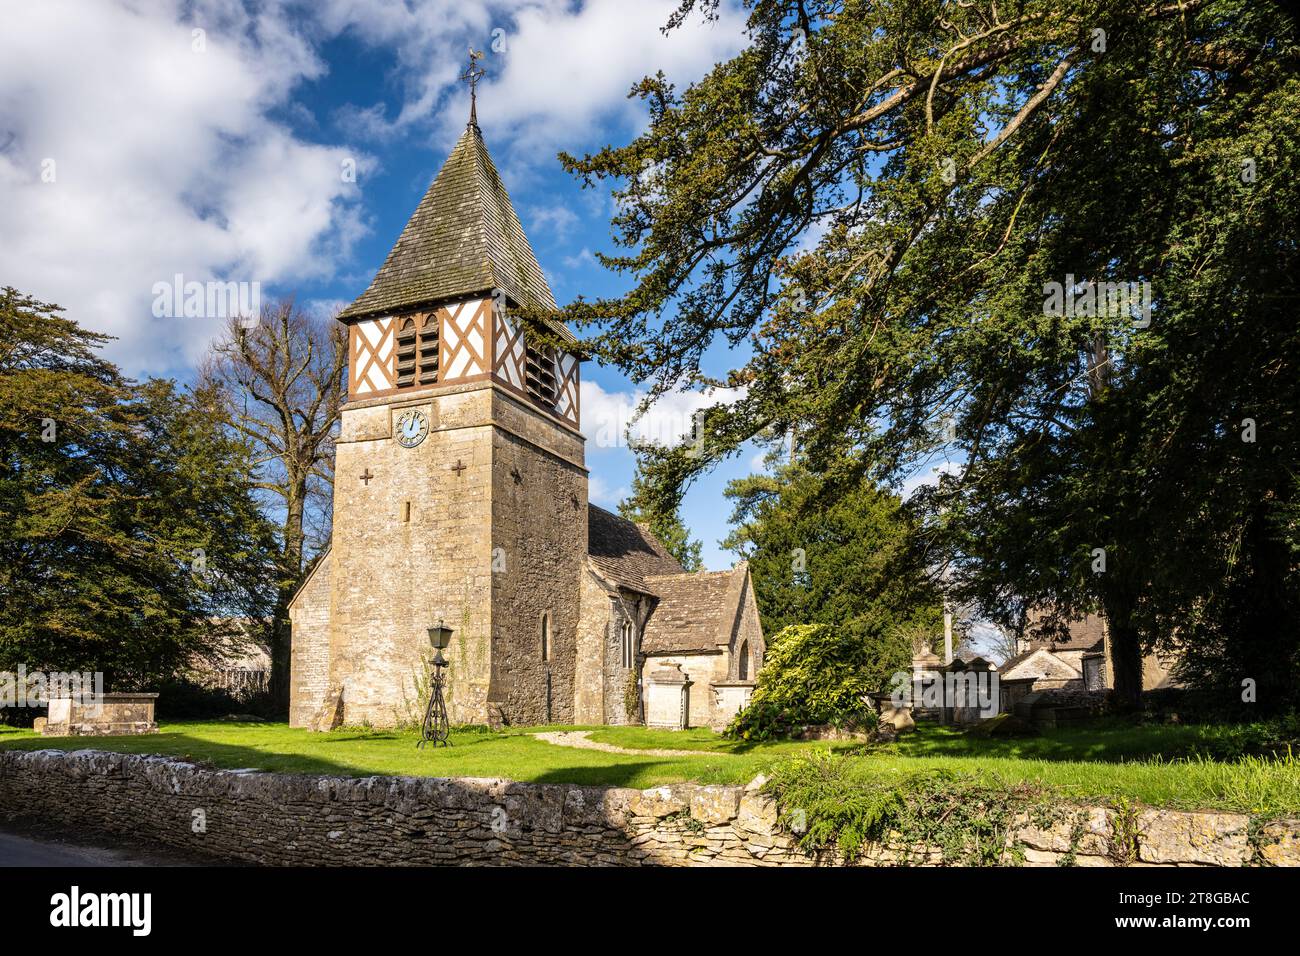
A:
(539, 375)
(417, 351)
(627, 641)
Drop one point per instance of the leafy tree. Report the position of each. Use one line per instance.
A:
(819, 555)
(280, 384)
(127, 522)
(868, 203)
(839, 586)
(664, 520)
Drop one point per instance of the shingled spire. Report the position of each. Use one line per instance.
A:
(464, 239)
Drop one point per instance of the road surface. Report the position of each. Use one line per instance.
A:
(26, 847)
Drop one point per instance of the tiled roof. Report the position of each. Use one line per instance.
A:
(625, 552)
(1081, 634)
(696, 612)
(1057, 665)
(463, 239)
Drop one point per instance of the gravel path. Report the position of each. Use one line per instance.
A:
(582, 740)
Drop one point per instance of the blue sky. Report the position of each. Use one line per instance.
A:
(140, 139)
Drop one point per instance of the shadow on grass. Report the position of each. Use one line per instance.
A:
(195, 750)
(619, 775)
(1104, 740)
(275, 748)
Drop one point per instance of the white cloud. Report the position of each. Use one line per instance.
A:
(164, 162)
(554, 67)
(608, 416)
(170, 160)
(602, 493)
(584, 258)
(558, 220)
(566, 66)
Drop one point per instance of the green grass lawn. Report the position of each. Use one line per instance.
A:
(1176, 766)
(353, 752)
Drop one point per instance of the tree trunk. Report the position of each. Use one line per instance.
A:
(290, 574)
(1268, 619)
(1125, 648)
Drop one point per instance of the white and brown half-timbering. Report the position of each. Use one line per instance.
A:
(460, 495)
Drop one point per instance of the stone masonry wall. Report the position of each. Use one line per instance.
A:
(539, 542)
(284, 819)
(309, 662)
(412, 545)
(749, 633)
(703, 670)
(592, 638)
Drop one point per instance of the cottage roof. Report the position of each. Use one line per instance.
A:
(1086, 633)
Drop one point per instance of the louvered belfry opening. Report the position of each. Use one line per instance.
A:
(417, 351)
(539, 375)
(406, 337)
(427, 358)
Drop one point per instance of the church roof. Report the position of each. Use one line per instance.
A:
(463, 239)
(696, 612)
(625, 552)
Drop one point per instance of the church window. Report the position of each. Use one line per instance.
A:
(742, 670)
(539, 375)
(546, 637)
(417, 351)
(627, 635)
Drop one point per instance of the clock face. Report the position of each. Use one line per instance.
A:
(411, 427)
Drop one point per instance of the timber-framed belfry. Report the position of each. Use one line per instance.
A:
(460, 495)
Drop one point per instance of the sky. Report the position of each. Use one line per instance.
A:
(286, 142)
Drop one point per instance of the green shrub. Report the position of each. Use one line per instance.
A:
(813, 674)
(831, 804)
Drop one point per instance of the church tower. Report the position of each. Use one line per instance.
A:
(460, 488)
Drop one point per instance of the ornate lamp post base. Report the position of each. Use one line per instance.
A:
(436, 728)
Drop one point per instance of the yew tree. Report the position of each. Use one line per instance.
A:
(868, 205)
(131, 540)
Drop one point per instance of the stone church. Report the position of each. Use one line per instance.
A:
(460, 496)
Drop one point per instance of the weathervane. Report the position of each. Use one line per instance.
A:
(471, 76)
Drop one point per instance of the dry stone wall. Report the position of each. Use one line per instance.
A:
(284, 819)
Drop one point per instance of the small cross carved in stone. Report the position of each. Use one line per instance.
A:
(366, 476)
(458, 467)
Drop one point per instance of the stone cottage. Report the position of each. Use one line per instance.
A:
(1076, 660)
(460, 496)
(1073, 661)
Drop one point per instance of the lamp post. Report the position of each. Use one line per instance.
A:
(436, 728)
